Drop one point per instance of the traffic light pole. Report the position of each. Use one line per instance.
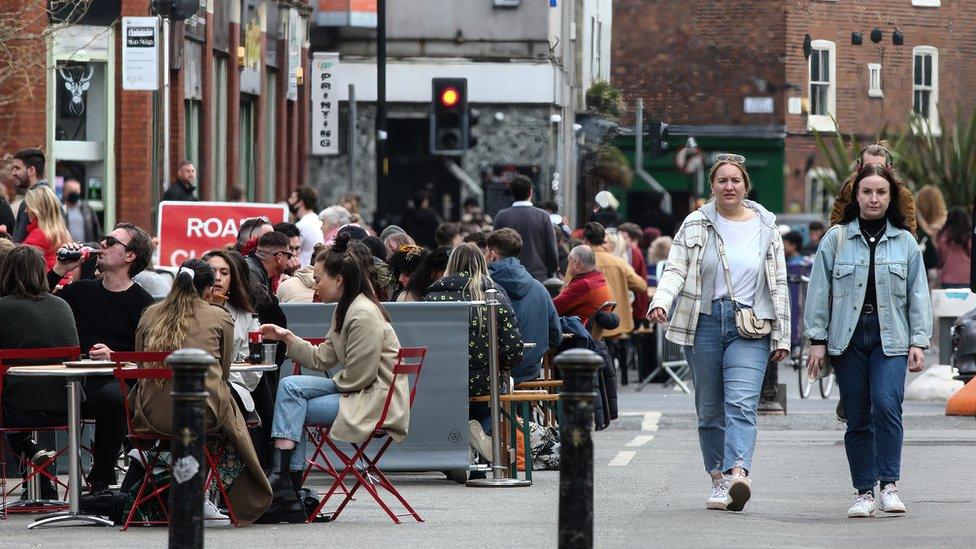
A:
(380, 101)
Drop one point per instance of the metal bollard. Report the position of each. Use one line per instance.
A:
(578, 368)
(189, 439)
(499, 473)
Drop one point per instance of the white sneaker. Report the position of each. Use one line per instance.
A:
(740, 490)
(719, 499)
(212, 517)
(480, 440)
(890, 502)
(863, 507)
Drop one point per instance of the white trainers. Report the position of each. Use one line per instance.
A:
(212, 517)
(890, 502)
(863, 507)
(719, 499)
(480, 440)
(740, 490)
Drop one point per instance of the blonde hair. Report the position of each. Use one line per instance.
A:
(467, 259)
(46, 208)
(720, 163)
(659, 250)
(617, 246)
(177, 311)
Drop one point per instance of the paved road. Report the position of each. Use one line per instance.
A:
(650, 490)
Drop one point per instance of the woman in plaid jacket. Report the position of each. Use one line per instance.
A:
(727, 256)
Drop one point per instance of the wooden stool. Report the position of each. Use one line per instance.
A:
(519, 402)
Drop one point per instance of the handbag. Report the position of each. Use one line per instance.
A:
(749, 326)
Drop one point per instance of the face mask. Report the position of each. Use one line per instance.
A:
(293, 208)
(73, 198)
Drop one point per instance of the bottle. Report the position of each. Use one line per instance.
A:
(255, 345)
(74, 255)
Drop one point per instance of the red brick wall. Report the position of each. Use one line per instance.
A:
(23, 121)
(693, 61)
(134, 128)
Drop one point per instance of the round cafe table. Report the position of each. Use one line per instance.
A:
(74, 376)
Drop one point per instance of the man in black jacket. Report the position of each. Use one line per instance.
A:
(539, 255)
(182, 188)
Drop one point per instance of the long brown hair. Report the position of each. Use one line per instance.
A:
(22, 273)
(894, 213)
(238, 295)
(338, 260)
(176, 312)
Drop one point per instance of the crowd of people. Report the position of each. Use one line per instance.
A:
(719, 286)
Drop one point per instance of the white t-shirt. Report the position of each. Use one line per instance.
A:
(310, 226)
(743, 246)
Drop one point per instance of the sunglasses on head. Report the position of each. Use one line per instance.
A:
(730, 157)
(887, 154)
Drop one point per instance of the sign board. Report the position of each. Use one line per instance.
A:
(795, 105)
(140, 53)
(191, 229)
(325, 104)
(346, 13)
(293, 47)
(758, 105)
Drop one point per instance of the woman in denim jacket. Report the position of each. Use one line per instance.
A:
(727, 368)
(868, 307)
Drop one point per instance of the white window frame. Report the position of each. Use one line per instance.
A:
(875, 88)
(932, 124)
(824, 122)
(927, 3)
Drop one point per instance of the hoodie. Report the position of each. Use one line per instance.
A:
(529, 299)
(299, 288)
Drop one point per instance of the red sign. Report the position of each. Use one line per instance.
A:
(191, 229)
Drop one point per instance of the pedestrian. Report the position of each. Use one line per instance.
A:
(185, 320)
(726, 280)
(539, 254)
(106, 314)
(792, 244)
(954, 249)
(83, 223)
(869, 273)
(879, 154)
(620, 277)
(362, 339)
(27, 169)
(182, 188)
(395, 240)
(605, 211)
(46, 230)
(303, 203)
(448, 235)
(250, 231)
(420, 221)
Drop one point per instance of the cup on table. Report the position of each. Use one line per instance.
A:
(269, 351)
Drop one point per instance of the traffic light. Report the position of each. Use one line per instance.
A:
(656, 143)
(474, 115)
(449, 117)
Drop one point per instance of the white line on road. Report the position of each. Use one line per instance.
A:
(650, 421)
(622, 458)
(639, 441)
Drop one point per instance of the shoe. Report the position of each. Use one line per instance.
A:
(42, 456)
(719, 499)
(480, 440)
(890, 502)
(863, 507)
(841, 414)
(48, 491)
(212, 517)
(740, 490)
(280, 477)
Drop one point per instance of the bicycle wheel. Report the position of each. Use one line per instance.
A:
(805, 385)
(826, 385)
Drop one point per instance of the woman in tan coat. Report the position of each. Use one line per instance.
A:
(185, 320)
(360, 338)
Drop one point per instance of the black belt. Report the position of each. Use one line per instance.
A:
(868, 309)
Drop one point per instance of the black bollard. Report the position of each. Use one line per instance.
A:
(189, 438)
(578, 368)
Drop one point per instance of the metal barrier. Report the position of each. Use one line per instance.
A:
(670, 359)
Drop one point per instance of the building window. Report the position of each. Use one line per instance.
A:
(874, 80)
(246, 137)
(927, 3)
(823, 86)
(192, 112)
(925, 85)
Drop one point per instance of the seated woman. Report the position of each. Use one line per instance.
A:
(46, 230)
(185, 320)
(33, 318)
(403, 263)
(360, 338)
(466, 279)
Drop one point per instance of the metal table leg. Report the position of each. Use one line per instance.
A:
(74, 467)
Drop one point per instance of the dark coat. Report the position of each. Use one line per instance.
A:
(539, 255)
(180, 191)
(453, 288)
(421, 224)
(7, 218)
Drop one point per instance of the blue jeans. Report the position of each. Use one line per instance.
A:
(728, 372)
(872, 387)
(301, 400)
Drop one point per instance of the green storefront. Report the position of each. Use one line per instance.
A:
(763, 147)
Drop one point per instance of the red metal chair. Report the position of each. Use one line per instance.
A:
(50, 355)
(123, 375)
(409, 362)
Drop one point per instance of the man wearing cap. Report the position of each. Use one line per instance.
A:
(539, 255)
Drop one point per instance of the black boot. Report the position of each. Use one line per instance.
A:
(286, 505)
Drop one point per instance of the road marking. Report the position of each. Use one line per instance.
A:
(639, 441)
(622, 458)
(650, 421)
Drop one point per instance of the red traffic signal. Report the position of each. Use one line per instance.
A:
(450, 96)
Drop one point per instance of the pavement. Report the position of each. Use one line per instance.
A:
(649, 492)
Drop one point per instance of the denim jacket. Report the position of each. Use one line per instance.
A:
(837, 287)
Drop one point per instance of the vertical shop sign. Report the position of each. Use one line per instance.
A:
(140, 53)
(325, 104)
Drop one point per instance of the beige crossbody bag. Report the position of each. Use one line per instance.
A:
(749, 326)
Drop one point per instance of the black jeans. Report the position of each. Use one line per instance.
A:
(103, 403)
(20, 443)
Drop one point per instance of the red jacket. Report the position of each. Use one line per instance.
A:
(583, 296)
(641, 301)
(36, 238)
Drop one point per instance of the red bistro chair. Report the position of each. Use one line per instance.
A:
(148, 489)
(409, 362)
(43, 354)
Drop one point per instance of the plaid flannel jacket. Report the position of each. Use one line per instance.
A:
(681, 285)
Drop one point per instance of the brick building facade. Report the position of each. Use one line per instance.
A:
(237, 107)
(702, 65)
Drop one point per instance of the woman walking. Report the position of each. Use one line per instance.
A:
(869, 273)
(954, 249)
(726, 279)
